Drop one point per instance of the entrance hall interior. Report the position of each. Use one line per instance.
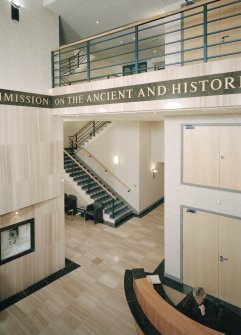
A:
(160, 97)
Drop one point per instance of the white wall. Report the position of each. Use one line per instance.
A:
(132, 142)
(70, 128)
(157, 141)
(25, 59)
(193, 196)
(151, 186)
(173, 37)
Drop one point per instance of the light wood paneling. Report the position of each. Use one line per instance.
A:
(31, 169)
(230, 157)
(230, 269)
(206, 237)
(200, 250)
(201, 155)
(49, 255)
(31, 157)
(215, 30)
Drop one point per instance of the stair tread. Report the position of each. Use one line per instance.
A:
(121, 209)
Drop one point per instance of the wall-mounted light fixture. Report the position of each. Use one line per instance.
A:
(154, 172)
(16, 212)
(116, 160)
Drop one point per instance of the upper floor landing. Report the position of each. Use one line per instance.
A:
(200, 32)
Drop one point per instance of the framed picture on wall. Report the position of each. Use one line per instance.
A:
(16, 240)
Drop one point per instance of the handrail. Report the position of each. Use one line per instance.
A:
(80, 130)
(105, 168)
(103, 187)
(86, 132)
(137, 23)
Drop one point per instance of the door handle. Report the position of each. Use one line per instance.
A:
(221, 258)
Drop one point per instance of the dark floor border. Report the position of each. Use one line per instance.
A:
(150, 208)
(69, 266)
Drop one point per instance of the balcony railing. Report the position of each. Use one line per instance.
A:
(200, 32)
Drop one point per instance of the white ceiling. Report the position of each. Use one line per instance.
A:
(80, 16)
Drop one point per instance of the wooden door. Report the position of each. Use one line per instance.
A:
(200, 250)
(201, 155)
(230, 157)
(230, 264)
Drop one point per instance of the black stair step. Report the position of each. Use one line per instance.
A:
(92, 185)
(87, 182)
(97, 194)
(82, 182)
(70, 165)
(104, 199)
(94, 190)
(123, 217)
(78, 175)
(72, 170)
(117, 206)
(81, 176)
(67, 160)
(121, 213)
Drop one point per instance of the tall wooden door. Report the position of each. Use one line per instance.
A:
(200, 250)
(212, 254)
(230, 260)
(230, 157)
(201, 155)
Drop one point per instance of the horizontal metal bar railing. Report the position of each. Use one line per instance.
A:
(186, 29)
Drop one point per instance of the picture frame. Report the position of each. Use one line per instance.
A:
(16, 240)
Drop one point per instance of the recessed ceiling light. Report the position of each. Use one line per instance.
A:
(154, 51)
(97, 21)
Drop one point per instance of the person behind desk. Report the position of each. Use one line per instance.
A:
(198, 309)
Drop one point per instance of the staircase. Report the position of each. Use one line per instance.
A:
(75, 64)
(116, 210)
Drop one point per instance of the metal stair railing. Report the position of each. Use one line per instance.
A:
(85, 133)
(75, 162)
(70, 64)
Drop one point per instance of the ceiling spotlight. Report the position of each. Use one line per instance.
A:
(97, 21)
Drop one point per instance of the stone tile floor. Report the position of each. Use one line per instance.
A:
(91, 300)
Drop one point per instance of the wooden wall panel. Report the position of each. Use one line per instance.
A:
(230, 269)
(200, 266)
(31, 157)
(230, 157)
(201, 155)
(48, 256)
(31, 172)
(216, 30)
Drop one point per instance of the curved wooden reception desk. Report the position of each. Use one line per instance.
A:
(164, 317)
